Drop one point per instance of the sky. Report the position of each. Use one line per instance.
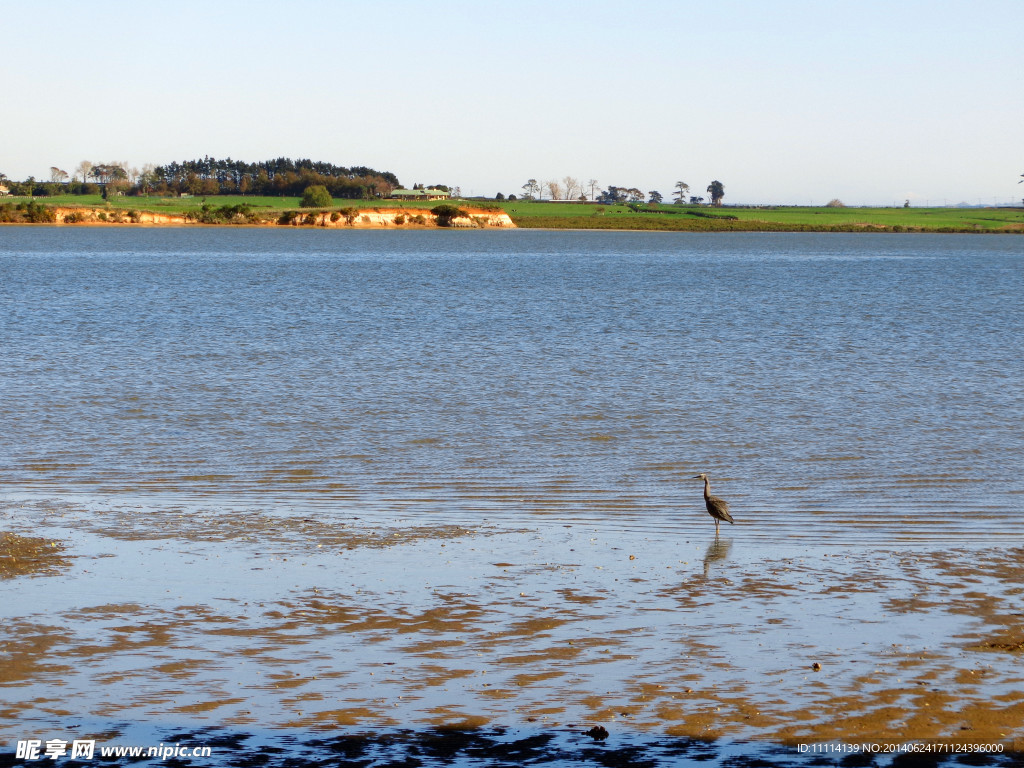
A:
(784, 102)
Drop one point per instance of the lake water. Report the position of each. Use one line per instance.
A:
(835, 387)
(325, 493)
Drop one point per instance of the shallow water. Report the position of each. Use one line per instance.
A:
(375, 484)
(246, 628)
(852, 388)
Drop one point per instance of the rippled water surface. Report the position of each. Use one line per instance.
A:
(844, 388)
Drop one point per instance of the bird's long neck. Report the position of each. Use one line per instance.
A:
(707, 488)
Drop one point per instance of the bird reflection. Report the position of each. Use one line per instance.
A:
(718, 550)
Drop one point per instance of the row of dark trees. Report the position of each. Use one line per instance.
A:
(281, 176)
(209, 176)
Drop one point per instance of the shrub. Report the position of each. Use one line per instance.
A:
(316, 196)
(39, 214)
(835, 203)
(225, 214)
(445, 213)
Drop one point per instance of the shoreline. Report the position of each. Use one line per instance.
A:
(881, 221)
(365, 218)
(377, 624)
(437, 227)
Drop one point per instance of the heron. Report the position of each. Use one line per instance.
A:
(717, 508)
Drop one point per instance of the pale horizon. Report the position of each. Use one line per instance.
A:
(788, 103)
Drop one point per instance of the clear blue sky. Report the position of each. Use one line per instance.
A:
(783, 102)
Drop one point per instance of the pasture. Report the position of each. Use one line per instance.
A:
(767, 218)
(558, 215)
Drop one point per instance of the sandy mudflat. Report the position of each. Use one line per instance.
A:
(240, 618)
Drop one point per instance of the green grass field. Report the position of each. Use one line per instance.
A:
(769, 218)
(529, 214)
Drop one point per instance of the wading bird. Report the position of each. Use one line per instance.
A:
(717, 508)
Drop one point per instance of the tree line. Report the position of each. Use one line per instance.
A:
(570, 188)
(209, 176)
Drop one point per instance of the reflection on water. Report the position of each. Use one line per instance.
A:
(833, 385)
(717, 552)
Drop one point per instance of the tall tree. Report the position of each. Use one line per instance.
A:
(717, 192)
(57, 175)
(147, 177)
(572, 187)
(84, 169)
(682, 190)
(592, 185)
(613, 195)
(555, 189)
(655, 197)
(531, 188)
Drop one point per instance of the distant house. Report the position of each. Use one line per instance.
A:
(420, 194)
(4, 191)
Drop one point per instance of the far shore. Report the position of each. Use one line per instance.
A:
(505, 214)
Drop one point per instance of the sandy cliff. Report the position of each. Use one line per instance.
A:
(364, 218)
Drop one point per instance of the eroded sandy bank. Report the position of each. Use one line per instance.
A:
(364, 218)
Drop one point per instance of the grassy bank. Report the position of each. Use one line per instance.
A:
(547, 215)
(768, 219)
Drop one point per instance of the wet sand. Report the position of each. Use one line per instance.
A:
(26, 555)
(185, 617)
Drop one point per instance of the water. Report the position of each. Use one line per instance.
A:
(428, 495)
(841, 387)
